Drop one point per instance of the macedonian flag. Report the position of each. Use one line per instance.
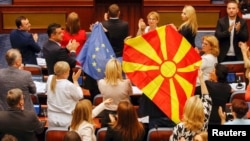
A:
(163, 64)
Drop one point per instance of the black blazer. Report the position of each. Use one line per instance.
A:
(52, 53)
(24, 41)
(223, 35)
(117, 32)
(24, 125)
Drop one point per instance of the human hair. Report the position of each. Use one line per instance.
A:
(203, 135)
(113, 71)
(52, 28)
(60, 68)
(240, 107)
(73, 23)
(82, 112)
(193, 114)
(233, 1)
(191, 19)
(12, 55)
(19, 21)
(114, 10)
(127, 124)
(14, 96)
(221, 72)
(154, 14)
(8, 137)
(214, 43)
(71, 136)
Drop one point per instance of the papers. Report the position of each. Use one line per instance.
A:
(144, 119)
(40, 87)
(136, 90)
(41, 61)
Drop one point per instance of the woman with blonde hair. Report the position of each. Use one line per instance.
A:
(153, 19)
(210, 50)
(126, 127)
(195, 115)
(189, 27)
(62, 95)
(73, 31)
(115, 87)
(82, 119)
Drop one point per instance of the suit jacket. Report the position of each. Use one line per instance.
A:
(24, 125)
(24, 41)
(223, 35)
(117, 32)
(187, 33)
(12, 77)
(53, 52)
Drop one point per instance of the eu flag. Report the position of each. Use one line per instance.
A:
(95, 53)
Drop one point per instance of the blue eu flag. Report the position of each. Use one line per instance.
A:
(95, 53)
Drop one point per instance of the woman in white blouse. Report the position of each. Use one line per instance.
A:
(210, 50)
(62, 95)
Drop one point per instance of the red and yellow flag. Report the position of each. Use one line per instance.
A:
(163, 64)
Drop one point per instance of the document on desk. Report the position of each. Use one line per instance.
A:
(144, 119)
(41, 61)
(136, 90)
(40, 87)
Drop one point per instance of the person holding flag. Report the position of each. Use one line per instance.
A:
(93, 58)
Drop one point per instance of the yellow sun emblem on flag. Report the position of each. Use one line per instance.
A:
(163, 65)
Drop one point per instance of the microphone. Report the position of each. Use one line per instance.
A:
(239, 85)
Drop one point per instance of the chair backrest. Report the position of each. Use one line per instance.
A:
(36, 72)
(159, 134)
(237, 95)
(55, 134)
(101, 134)
(237, 68)
(234, 66)
(97, 99)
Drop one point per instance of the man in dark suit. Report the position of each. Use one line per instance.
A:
(13, 77)
(16, 121)
(53, 52)
(230, 30)
(26, 42)
(117, 29)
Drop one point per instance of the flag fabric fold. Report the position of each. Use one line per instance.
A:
(95, 53)
(163, 64)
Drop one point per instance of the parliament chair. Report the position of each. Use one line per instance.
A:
(101, 134)
(237, 95)
(55, 134)
(36, 72)
(159, 134)
(97, 99)
(234, 66)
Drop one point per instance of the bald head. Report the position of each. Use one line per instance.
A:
(13, 57)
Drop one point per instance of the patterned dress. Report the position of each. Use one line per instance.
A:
(181, 131)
